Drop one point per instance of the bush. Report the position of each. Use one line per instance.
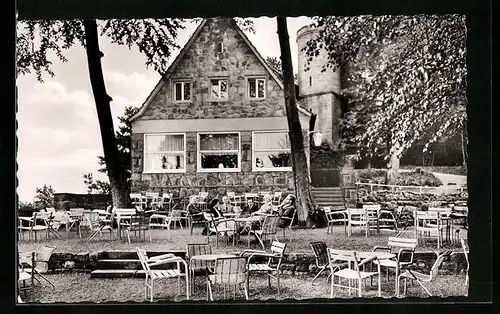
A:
(418, 178)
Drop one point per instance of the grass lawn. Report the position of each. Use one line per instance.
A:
(163, 239)
(79, 287)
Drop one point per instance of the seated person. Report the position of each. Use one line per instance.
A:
(286, 209)
(193, 209)
(225, 207)
(266, 208)
(213, 208)
(249, 208)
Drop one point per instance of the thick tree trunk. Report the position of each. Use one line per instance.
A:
(305, 207)
(119, 188)
(463, 135)
(393, 170)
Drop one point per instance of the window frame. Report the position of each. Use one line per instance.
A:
(256, 78)
(163, 170)
(219, 79)
(257, 169)
(198, 153)
(174, 90)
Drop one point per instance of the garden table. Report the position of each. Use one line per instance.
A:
(248, 222)
(208, 257)
(378, 254)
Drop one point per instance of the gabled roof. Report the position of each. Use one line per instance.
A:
(163, 80)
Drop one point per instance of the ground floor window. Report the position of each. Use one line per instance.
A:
(219, 152)
(164, 153)
(271, 151)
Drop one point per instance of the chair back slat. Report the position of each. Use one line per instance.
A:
(198, 249)
(231, 270)
(270, 225)
(320, 252)
(278, 247)
(372, 207)
(143, 258)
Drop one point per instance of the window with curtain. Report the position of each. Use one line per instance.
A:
(182, 91)
(164, 153)
(271, 151)
(219, 89)
(219, 152)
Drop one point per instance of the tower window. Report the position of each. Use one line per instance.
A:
(310, 81)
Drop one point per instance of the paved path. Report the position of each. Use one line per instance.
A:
(451, 178)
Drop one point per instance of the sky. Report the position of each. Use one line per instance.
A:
(58, 132)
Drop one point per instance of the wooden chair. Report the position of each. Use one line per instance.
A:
(197, 267)
(465, 248)
(230, 271)
(75, 219)
(334, 216)
(273, 265)
(322, 261)
(123, 217)
(268, 229)
(289, 222)
(138, 200)
(357, 217)
(403, 247)
(139, 223)
(351, 273)
(414, 272)
(224, 227)
(152, 274)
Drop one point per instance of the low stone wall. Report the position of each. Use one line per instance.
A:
(294, 263)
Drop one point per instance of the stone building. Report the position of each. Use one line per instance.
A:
(216, 120)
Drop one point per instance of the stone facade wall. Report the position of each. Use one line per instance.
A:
(202, 62)
(191, 182)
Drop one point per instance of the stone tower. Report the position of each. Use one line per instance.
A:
(318, 91)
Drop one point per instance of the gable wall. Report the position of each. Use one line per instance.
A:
(200, 63)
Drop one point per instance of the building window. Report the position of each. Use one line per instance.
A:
(218, 89)
(257, 88)
(219, 152)
(271, 151)
(164, 153)
(182, 91)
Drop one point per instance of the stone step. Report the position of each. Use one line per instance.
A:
(118, 264)
(123, 255)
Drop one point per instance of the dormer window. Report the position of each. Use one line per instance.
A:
(182, 91)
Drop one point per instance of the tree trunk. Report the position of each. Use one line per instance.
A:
(119, 189)
(305, 207)
(463, 135)
(393, 170)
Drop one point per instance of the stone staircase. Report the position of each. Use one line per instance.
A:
(120, 264)
(328, 196)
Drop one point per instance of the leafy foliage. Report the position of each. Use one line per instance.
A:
(124, 139)
(37, 40)
(275, 64)
(97, 186)
(407, 77)
(44, 197)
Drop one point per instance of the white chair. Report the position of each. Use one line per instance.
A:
(152, 274)
(465, 248)
(351, 273)
(428, 224)
(357, 217)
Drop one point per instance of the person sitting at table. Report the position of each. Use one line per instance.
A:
(286, 209)
(225, 207)
(249, 208)
(213, 208)
(266, 208)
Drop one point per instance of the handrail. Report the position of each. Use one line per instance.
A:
(420, 189)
